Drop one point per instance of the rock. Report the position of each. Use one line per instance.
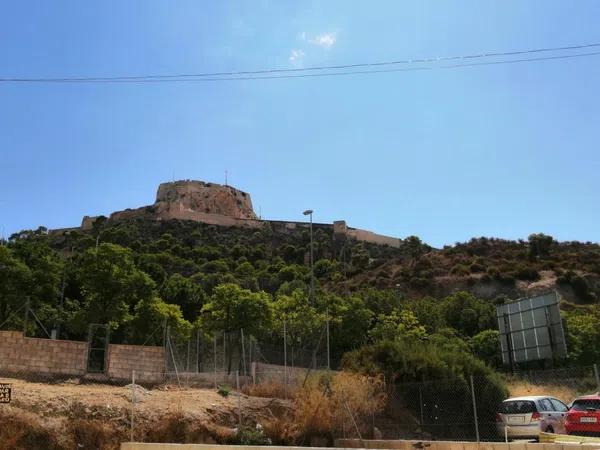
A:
(377, 435)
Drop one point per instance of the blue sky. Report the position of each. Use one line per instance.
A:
(446, 155)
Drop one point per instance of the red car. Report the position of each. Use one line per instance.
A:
(583, 418)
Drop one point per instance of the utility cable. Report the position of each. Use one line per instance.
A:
(301, 72)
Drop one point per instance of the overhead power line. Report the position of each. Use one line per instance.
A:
(338, 69)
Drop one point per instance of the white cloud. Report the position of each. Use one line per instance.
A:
(325, 40)
(302, 36)
(296, 56)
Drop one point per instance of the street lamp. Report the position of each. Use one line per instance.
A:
(309, 212)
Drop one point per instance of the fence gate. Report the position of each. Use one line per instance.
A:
(98, 340)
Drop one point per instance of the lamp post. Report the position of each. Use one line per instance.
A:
(309, 212)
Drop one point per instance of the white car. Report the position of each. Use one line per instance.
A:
(526, 417)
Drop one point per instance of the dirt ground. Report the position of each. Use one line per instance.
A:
(55, 405)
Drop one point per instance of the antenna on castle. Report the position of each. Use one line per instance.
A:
(225, 178)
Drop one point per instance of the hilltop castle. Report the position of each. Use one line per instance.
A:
(223, 205)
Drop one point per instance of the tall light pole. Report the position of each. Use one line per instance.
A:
(309, 212)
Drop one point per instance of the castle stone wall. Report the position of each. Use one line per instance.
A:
(373, 238)
(211, 219)
(216, 204)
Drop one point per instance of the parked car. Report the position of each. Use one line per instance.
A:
(584, 416)
(526, 417)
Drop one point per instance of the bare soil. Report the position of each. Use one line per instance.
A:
(56, 406)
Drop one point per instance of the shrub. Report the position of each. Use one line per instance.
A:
(249, 436)
(476, 268)
(526, 273)
(582, 288)
(460, 270)
(224, 391)
(321, 406)
(270, 389)
(417, 282)
(448, 371)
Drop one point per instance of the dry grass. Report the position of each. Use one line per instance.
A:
(271, 389)
(94, 434)
(177, 428)
(325, 405)
(24, 431)
(525, 388)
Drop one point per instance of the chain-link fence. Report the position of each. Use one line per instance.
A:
(467, 408)
(122, 379)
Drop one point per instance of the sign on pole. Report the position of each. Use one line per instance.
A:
(531, 329)
(5, 393)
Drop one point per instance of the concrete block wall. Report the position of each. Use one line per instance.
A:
(262, 373)
(148, 362)
(20, 354)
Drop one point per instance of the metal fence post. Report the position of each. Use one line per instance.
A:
(328, 354)
(597, 375)
(421, 409)
(132, 403)
(197, 351)
(475, 409)
(215, 357)
(239, 392)
(187, 365)
(243, 353)
(26, 317)
(285, 359)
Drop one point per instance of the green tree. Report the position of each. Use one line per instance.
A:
(153, 313)
(468, 314)
(398, 325)
(232, 308)
(302, 320)
(486, 346)
(181, 291)
(415, 248)
(15, 283)
(352, 329)
(583, 336)
(428, 311)
(111, 284)
(47, 269)
(540, 245)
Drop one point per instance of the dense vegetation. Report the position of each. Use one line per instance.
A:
(138, 274)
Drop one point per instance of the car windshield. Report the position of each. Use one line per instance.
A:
(517, 407)
(584, 405)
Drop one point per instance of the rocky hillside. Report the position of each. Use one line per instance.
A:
(487, 267)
